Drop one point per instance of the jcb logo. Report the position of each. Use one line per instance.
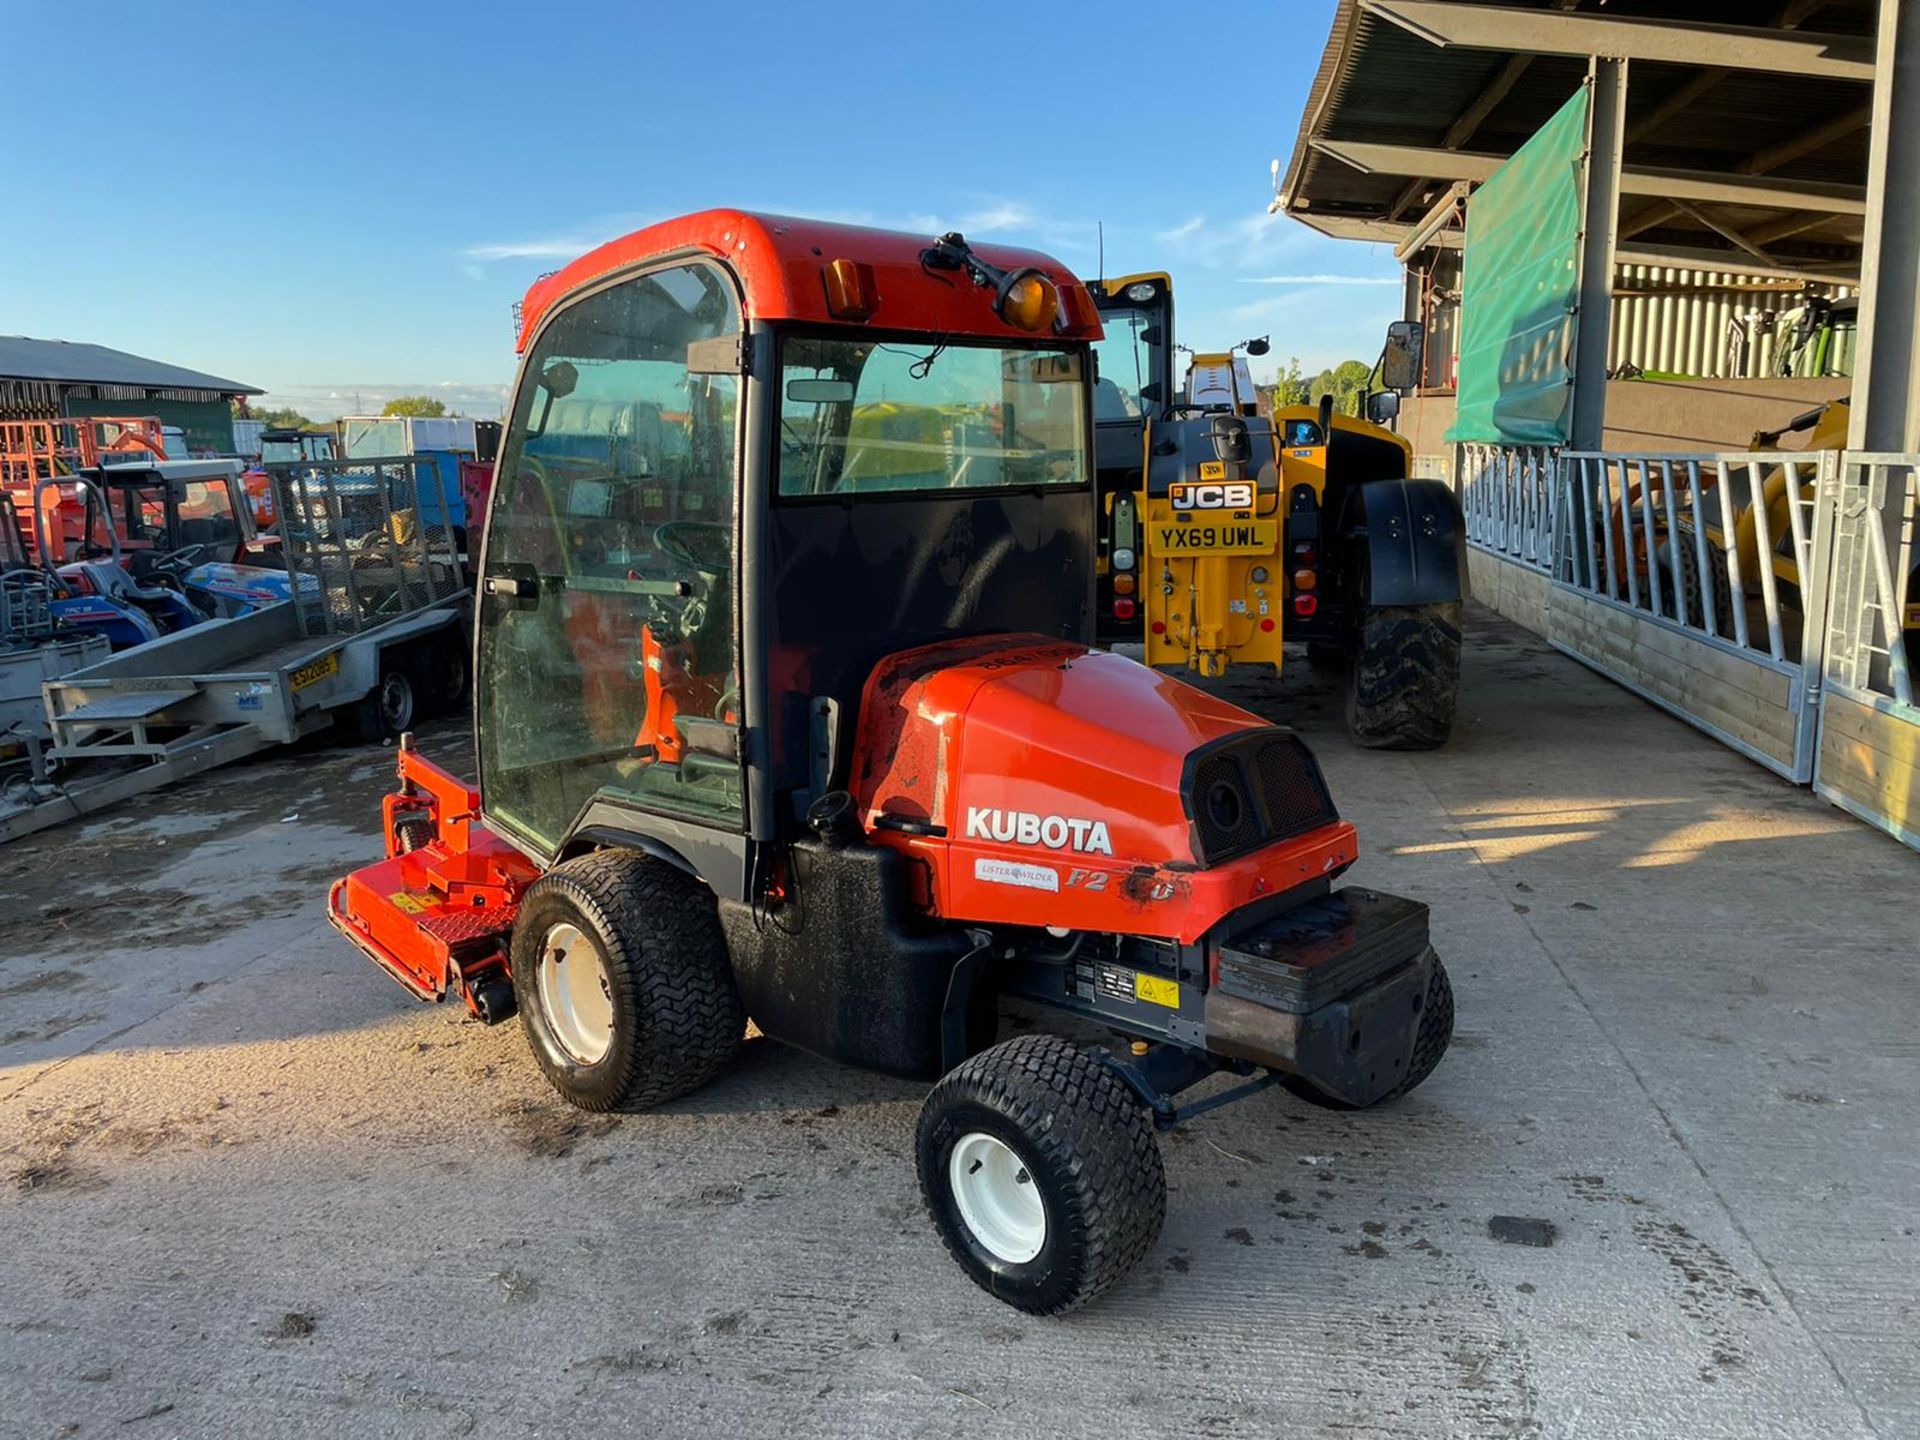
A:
(1230, 495)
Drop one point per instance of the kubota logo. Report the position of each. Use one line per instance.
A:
(1022, 827)
(1232, 495)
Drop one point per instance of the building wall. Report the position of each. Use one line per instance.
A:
(208, 423)
(1660, 415)
(1665, 320)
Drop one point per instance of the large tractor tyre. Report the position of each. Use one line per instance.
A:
(1041, 1172)
(1436, 1033)
(1327, 658)
(392, 706)
(1406, 677)
(1693, 591)
(623, 983)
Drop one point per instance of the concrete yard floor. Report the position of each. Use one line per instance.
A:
(248, 1188)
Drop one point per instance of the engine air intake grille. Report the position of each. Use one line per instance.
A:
(1251, 790)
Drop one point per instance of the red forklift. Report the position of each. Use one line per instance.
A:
(786, 707)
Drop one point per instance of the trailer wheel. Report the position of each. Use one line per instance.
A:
(1406, 677)
(447, 673)
(1041, 1173)
(623, 981)
(1436, 1033)
(388, 710)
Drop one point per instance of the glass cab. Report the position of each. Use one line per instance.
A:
(607, 664)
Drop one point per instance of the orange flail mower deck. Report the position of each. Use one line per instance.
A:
(436, 914)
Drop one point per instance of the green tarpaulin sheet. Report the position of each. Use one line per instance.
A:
(1520, 285)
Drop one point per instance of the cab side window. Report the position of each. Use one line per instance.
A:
(607, 665)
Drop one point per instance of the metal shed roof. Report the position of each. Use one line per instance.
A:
(73, 363)
(1729, 163)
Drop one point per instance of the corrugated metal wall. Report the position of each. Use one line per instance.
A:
(1665, 321)
(1684, 322)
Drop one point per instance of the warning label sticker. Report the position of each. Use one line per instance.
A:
(1013, 872)
(1119, 983)
(1156, 990)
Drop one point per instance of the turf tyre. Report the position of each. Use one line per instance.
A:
(1089, 1147)
(677, 1020)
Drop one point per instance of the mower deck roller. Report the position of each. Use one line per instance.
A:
(785, 710)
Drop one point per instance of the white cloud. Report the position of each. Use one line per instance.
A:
(330, 401)
(980, 216)
(1243, 243)
(552, 248)
(559, 245)
(1319, 280)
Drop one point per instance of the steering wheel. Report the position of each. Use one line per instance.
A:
(177, 562)
(706, 545)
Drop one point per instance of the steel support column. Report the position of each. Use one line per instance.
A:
(1601, 198)
(1886, 374)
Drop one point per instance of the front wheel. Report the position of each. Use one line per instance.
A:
(1406, 677)
(623, 982)
(1041, 1173)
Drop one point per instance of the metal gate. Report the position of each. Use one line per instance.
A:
(1698, 581)
(1869, 747)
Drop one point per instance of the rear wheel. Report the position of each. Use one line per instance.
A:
(1436, 1033)
(1041, 1173)
(1406, 677)
(1326, 658)
(622, 978)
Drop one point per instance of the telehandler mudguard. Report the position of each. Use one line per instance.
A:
(1415, 539)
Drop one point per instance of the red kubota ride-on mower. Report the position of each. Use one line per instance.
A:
(785, 710)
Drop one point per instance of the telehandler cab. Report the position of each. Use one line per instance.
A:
(1227, 533)
(786, 708)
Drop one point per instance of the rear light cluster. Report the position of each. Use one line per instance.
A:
(1306, 575)
(1124, 584)
(1250, 790)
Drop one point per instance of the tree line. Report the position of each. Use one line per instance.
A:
(1347, 382)
(287, 418)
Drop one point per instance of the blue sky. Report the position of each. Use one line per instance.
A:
(345, 200)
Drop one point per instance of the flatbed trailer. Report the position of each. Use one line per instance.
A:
(377, 636)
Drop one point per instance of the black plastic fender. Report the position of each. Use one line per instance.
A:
(1415, 542)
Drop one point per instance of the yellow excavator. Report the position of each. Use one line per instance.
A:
(1228, 532)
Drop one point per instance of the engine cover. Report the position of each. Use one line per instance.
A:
(1044, 783)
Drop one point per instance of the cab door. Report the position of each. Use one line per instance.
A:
(1132, 391)
(607, 667)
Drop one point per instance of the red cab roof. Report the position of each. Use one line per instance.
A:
(782, 264)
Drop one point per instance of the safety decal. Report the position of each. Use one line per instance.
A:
(1013, 872)
(1156, 990)
(406, 903)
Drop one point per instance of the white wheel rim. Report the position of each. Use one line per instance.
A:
(575, 995)
(998, 1199)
